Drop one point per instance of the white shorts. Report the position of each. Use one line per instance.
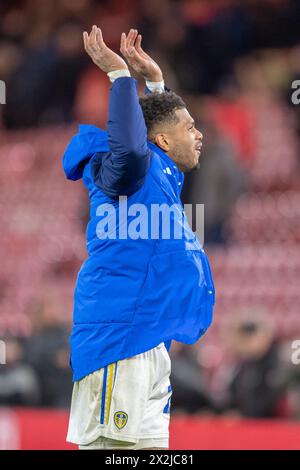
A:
(127, 401)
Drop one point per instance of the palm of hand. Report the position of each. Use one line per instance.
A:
(137, 58)
(106, 59)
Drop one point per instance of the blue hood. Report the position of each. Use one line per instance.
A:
(89, 140)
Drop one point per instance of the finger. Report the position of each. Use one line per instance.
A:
(136, 51)
(85, 39)
(91, 43)
(129, 35)
(97, 37)
(127, 38)
(138, 46)
(127, 45)
(123, 41)
(134, 36)
(100, 41)
(131, 45)
(92, 38)
(138, 43)
(130, 38)
(123, 44)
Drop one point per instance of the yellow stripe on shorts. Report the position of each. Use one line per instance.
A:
(109, 389)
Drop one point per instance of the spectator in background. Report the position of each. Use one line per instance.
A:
(19, 384)
(48, 353)
(42, 88)
(189, 393)
(254, 389)
(10, 58)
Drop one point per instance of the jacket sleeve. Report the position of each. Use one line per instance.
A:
(122, 170)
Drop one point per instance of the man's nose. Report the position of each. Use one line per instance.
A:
(199, 135)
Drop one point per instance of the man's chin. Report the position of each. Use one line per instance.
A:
(192, 167)
(197, 161)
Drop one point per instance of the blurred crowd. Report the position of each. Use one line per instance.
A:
(225, 57)
(247, 373)
(37, 370)
(233, 62)
(198, 43)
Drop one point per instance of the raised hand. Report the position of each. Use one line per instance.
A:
(142, 63)
(101, 55)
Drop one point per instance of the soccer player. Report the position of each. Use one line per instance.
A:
(142, 285)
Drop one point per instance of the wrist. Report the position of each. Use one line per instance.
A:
(154, 78)
(154, 86)
(114, 74)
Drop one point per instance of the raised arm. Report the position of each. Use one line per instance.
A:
(122, 171)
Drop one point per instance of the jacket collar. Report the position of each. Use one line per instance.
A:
(162, 154)
(170, 167)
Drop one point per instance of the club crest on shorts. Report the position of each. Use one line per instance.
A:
(120, 419)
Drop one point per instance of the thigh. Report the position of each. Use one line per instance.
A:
(129, 399)
(125, 402)
(156, 419)
(111, 402)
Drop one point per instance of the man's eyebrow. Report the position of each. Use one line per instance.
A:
(190, 122)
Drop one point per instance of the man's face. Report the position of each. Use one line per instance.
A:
(184, 141)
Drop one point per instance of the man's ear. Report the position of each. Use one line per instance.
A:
(162, 141)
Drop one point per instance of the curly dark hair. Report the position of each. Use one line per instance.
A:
(160, 108)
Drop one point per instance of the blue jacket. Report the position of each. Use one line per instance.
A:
(135, 292)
